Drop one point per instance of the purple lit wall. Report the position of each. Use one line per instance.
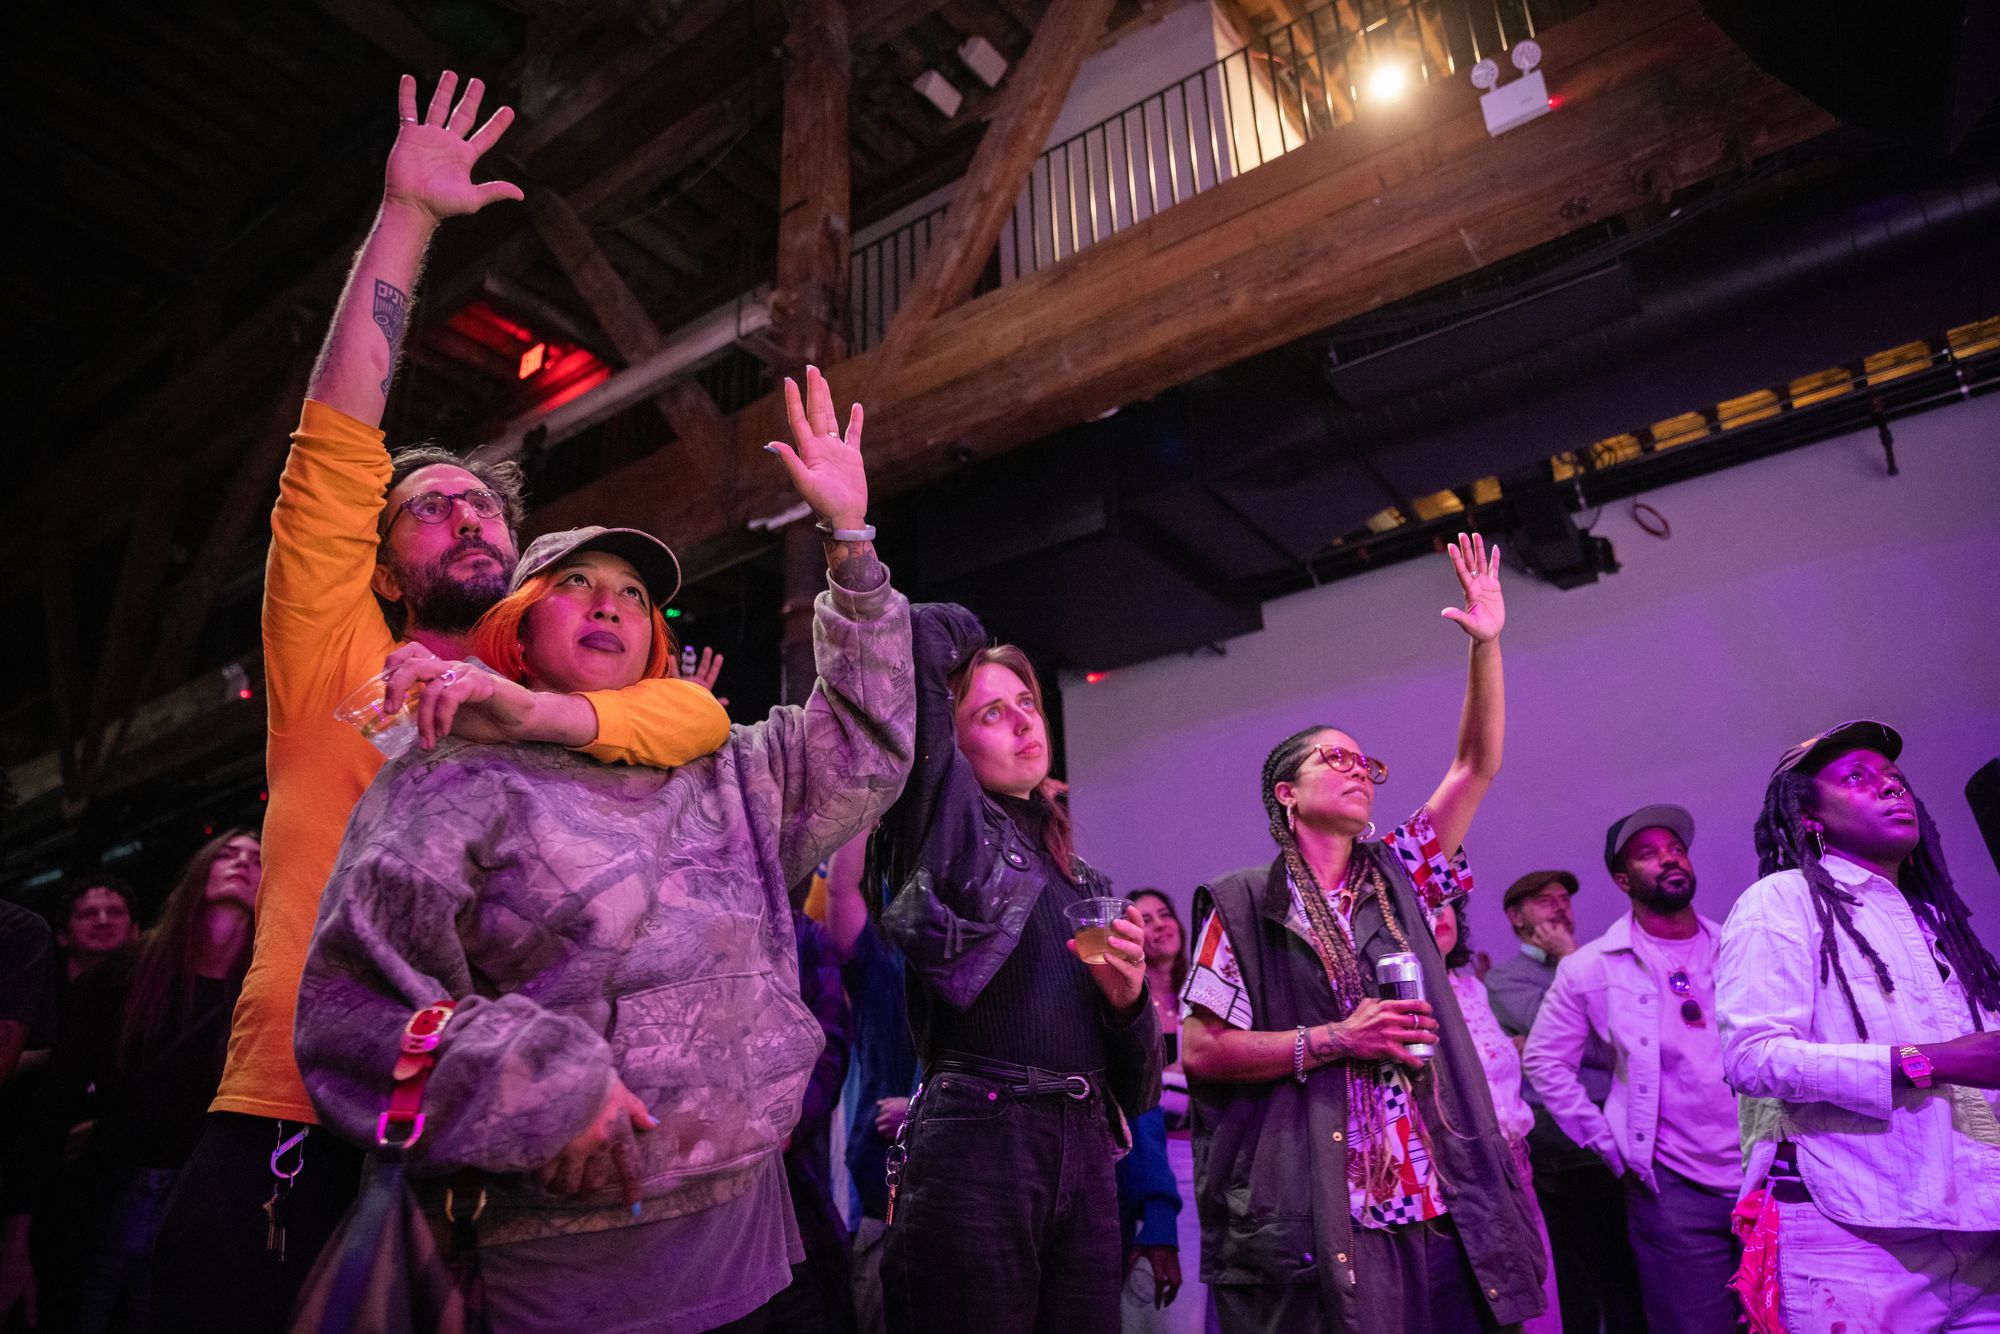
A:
(1793, 593)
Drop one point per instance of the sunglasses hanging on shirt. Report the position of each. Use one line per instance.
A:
(1691, 1014)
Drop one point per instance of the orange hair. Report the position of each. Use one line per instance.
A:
(496, 640)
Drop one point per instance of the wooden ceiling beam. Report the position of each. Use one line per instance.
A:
(1656, 100)
(1031, 99)
(387, 26)
(692, 414)
(181, 614)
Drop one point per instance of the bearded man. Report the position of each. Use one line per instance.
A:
(1646, 988)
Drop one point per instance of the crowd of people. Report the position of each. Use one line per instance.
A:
(611, 978)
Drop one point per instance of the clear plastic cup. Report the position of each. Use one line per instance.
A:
(1090, 924)
(390, 733)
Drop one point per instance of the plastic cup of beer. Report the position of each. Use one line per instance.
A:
(1090, 924)
(390, 733)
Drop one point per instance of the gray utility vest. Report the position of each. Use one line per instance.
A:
(1270, 1160)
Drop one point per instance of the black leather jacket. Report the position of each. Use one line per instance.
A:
(966, 877)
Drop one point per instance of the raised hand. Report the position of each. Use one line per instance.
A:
(826, 465)
(430, 166)
(1478, 570)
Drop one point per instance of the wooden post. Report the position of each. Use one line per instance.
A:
(809, 307)
(814, 243)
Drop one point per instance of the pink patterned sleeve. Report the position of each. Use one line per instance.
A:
(1439, 876)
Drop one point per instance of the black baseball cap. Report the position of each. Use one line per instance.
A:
(1661, 816)
(1859, 734)
(647, 554)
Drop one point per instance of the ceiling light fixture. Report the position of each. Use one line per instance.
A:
(979, 56)
(1386, 84)
(939, 92)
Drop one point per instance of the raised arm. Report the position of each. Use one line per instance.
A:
(428, 179)
(846, 901)
(841, 759)
(1483, 724)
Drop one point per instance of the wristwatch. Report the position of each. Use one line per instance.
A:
(1916, 1066)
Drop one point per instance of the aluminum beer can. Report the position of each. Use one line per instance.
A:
(1400, 977)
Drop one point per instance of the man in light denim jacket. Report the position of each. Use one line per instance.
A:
(1647, 988)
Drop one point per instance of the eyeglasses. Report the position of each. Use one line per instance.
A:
(1341, 760)
(1690, 1008)
(436, 506)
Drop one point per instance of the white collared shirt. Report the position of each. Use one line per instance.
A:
(1871, 1153)
(1611, 988)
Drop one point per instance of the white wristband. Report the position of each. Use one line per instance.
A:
(865, 533)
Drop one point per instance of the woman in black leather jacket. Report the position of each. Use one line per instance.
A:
(1003, 1214)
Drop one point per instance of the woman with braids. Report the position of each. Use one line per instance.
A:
(1002, 1210)
(1852, 991)
(1345, 1183)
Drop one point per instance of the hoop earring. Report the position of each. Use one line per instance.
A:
(1368, 832)
(1819, 843)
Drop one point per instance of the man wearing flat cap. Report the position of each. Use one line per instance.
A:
(1582, 1202)
(1646, 987)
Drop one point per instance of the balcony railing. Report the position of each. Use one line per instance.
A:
(1273, 95)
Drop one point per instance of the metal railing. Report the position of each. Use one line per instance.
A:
(1273, 95)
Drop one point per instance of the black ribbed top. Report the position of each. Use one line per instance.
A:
(1041, 1008)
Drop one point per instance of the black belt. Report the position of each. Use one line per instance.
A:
(1022, 1081)
(1783, 1180)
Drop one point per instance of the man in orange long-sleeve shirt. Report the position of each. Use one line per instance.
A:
(368, 553)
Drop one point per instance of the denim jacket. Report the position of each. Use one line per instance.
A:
(1608, 990)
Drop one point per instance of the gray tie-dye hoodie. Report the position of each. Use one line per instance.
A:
(591, 918)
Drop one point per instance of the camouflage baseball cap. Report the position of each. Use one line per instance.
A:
(651, 557)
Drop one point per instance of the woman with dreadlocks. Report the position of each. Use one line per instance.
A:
(1852, 991)
(1345, 1183)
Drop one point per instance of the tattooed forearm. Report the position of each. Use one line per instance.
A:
(392, 306)
(1325, 1045)
(854, 566)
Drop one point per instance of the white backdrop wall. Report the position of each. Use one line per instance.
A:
(1793, 593)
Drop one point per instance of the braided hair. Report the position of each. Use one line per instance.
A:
(1785, 843)
(1375, 1165)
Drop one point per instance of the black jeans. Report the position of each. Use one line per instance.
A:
(1597, 1280)
(1006, 1219)
(212, 1268)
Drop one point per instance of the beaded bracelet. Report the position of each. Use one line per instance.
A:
(1299, 1055)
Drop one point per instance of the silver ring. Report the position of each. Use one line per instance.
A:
(447, 676)
(407, 120)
